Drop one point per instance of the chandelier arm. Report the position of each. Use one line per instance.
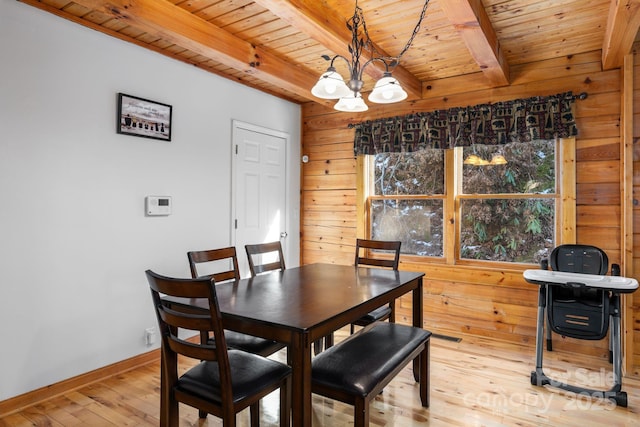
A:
(352, 71)
(383, 60)
(343, 58)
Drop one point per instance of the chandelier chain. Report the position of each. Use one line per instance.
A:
(416, 30)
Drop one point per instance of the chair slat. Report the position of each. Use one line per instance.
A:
(260, 250)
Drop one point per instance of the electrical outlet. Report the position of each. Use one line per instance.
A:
(150, 335)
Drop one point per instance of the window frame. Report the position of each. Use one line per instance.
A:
(565, 206)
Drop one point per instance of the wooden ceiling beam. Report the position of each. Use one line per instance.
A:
(325, 26)
(472, 23)
(176, 25)
(622, 26)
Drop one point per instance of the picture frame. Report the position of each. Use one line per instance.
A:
(143, 117)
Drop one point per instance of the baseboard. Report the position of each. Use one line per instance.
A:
(33, 397)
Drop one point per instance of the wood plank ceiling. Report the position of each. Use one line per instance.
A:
(276, 45)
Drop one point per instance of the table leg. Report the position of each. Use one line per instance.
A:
(300, 361)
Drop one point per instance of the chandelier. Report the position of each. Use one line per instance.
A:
(387, 89)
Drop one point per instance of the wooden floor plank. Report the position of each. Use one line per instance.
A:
(15, 420)
(476, 381)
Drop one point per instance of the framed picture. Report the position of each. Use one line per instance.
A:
(141, 117)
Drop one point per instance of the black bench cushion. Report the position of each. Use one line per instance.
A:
(359, 364)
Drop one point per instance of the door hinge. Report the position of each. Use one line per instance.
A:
(236, 224)
(236, 149)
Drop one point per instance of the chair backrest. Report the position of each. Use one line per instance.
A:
(260, 255)
(171, 321)
(585, 259)
(578, 312)
(369, 247)
(215, 256)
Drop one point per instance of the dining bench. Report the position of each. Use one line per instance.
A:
(356, 370)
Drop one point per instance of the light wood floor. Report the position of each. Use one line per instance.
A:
(474, 382)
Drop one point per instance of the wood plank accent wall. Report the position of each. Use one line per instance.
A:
(462, 300)
(634, 302)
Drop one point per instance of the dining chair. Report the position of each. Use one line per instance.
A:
(224, 381)
(265, 257)
(258, 257)
(225, 262)
(366, 254)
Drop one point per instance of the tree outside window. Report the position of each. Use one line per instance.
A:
(507, 206)
(408, 200)
(504, 201)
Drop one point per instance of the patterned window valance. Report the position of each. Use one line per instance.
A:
(542, 117)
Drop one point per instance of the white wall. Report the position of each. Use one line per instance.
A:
(74, 240)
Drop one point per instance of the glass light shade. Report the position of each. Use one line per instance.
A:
(330, 85)
(498, 159)
(472, 160)
(387, 90)
(351, 104)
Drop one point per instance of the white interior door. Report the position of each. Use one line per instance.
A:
(259, 188)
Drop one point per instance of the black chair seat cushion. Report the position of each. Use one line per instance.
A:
(359, 364)
(249, 374)
(375, 315)
(251, 343)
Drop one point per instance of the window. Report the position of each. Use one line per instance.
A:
(507, 204)
(481, 203)
(407, 204)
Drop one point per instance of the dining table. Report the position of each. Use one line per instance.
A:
(300, 305)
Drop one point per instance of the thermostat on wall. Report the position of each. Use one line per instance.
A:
(158, 205)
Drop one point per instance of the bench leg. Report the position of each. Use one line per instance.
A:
(424, 375)
(361, 412)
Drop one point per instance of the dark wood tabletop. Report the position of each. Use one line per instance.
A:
(300, 305)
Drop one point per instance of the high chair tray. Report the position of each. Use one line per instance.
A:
(616, 284)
